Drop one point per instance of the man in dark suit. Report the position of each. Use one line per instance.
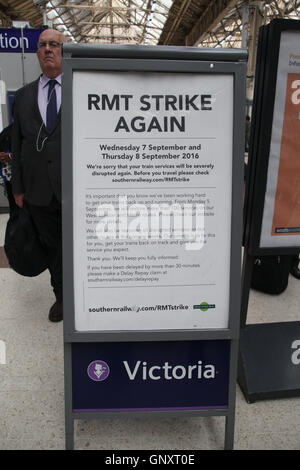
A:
(36, 150)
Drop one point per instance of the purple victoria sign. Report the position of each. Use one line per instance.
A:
(162, 375)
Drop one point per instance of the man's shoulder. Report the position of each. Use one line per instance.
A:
(28, 87)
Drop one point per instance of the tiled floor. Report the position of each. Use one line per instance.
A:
(32, 384)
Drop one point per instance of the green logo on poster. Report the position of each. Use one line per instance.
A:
(204, 306)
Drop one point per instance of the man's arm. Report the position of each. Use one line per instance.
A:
(16, 179)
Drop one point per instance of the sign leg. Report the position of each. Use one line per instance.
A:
(69, 433)
(229, 432)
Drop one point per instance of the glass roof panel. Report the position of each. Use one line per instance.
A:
(142, 21)
(110, 21)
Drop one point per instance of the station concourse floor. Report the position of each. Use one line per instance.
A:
(32, 385)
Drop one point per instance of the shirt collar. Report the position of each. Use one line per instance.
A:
(44, 80)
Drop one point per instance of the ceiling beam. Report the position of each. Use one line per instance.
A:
(117, 25)
(112, 22)
(99, 8)
(146, 18)
(210, 18)
(178, 18)
(108, 37)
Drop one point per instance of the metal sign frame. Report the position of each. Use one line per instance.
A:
(255, 357)
(261, 133)
(154, 59)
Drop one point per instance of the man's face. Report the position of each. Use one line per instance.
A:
(49, 52)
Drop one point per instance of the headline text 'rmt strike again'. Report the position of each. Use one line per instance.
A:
(150, 103)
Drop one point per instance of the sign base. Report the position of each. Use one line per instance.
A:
(269, 361)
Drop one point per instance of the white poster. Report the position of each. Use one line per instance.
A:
(281, 215)
(152, 170)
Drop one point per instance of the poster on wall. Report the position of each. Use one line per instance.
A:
(281, 215)
(152, 179)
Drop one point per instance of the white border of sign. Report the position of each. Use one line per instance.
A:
(137, 281)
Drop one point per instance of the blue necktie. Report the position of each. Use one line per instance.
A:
(51, 106)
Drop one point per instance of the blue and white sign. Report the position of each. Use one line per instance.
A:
(140, 376)
(15, 39)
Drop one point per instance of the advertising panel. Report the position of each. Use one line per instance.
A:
(152, 179)
(281, 215)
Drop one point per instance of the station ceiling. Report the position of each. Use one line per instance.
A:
(207, 23)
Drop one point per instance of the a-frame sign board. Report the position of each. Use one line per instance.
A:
(151, 322)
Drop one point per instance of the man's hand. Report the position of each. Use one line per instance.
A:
(4, 157)
(19, 198)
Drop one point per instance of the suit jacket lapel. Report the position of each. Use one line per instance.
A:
(34, 100)
(57, 121)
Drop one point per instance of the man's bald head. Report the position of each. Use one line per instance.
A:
(49, 52)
